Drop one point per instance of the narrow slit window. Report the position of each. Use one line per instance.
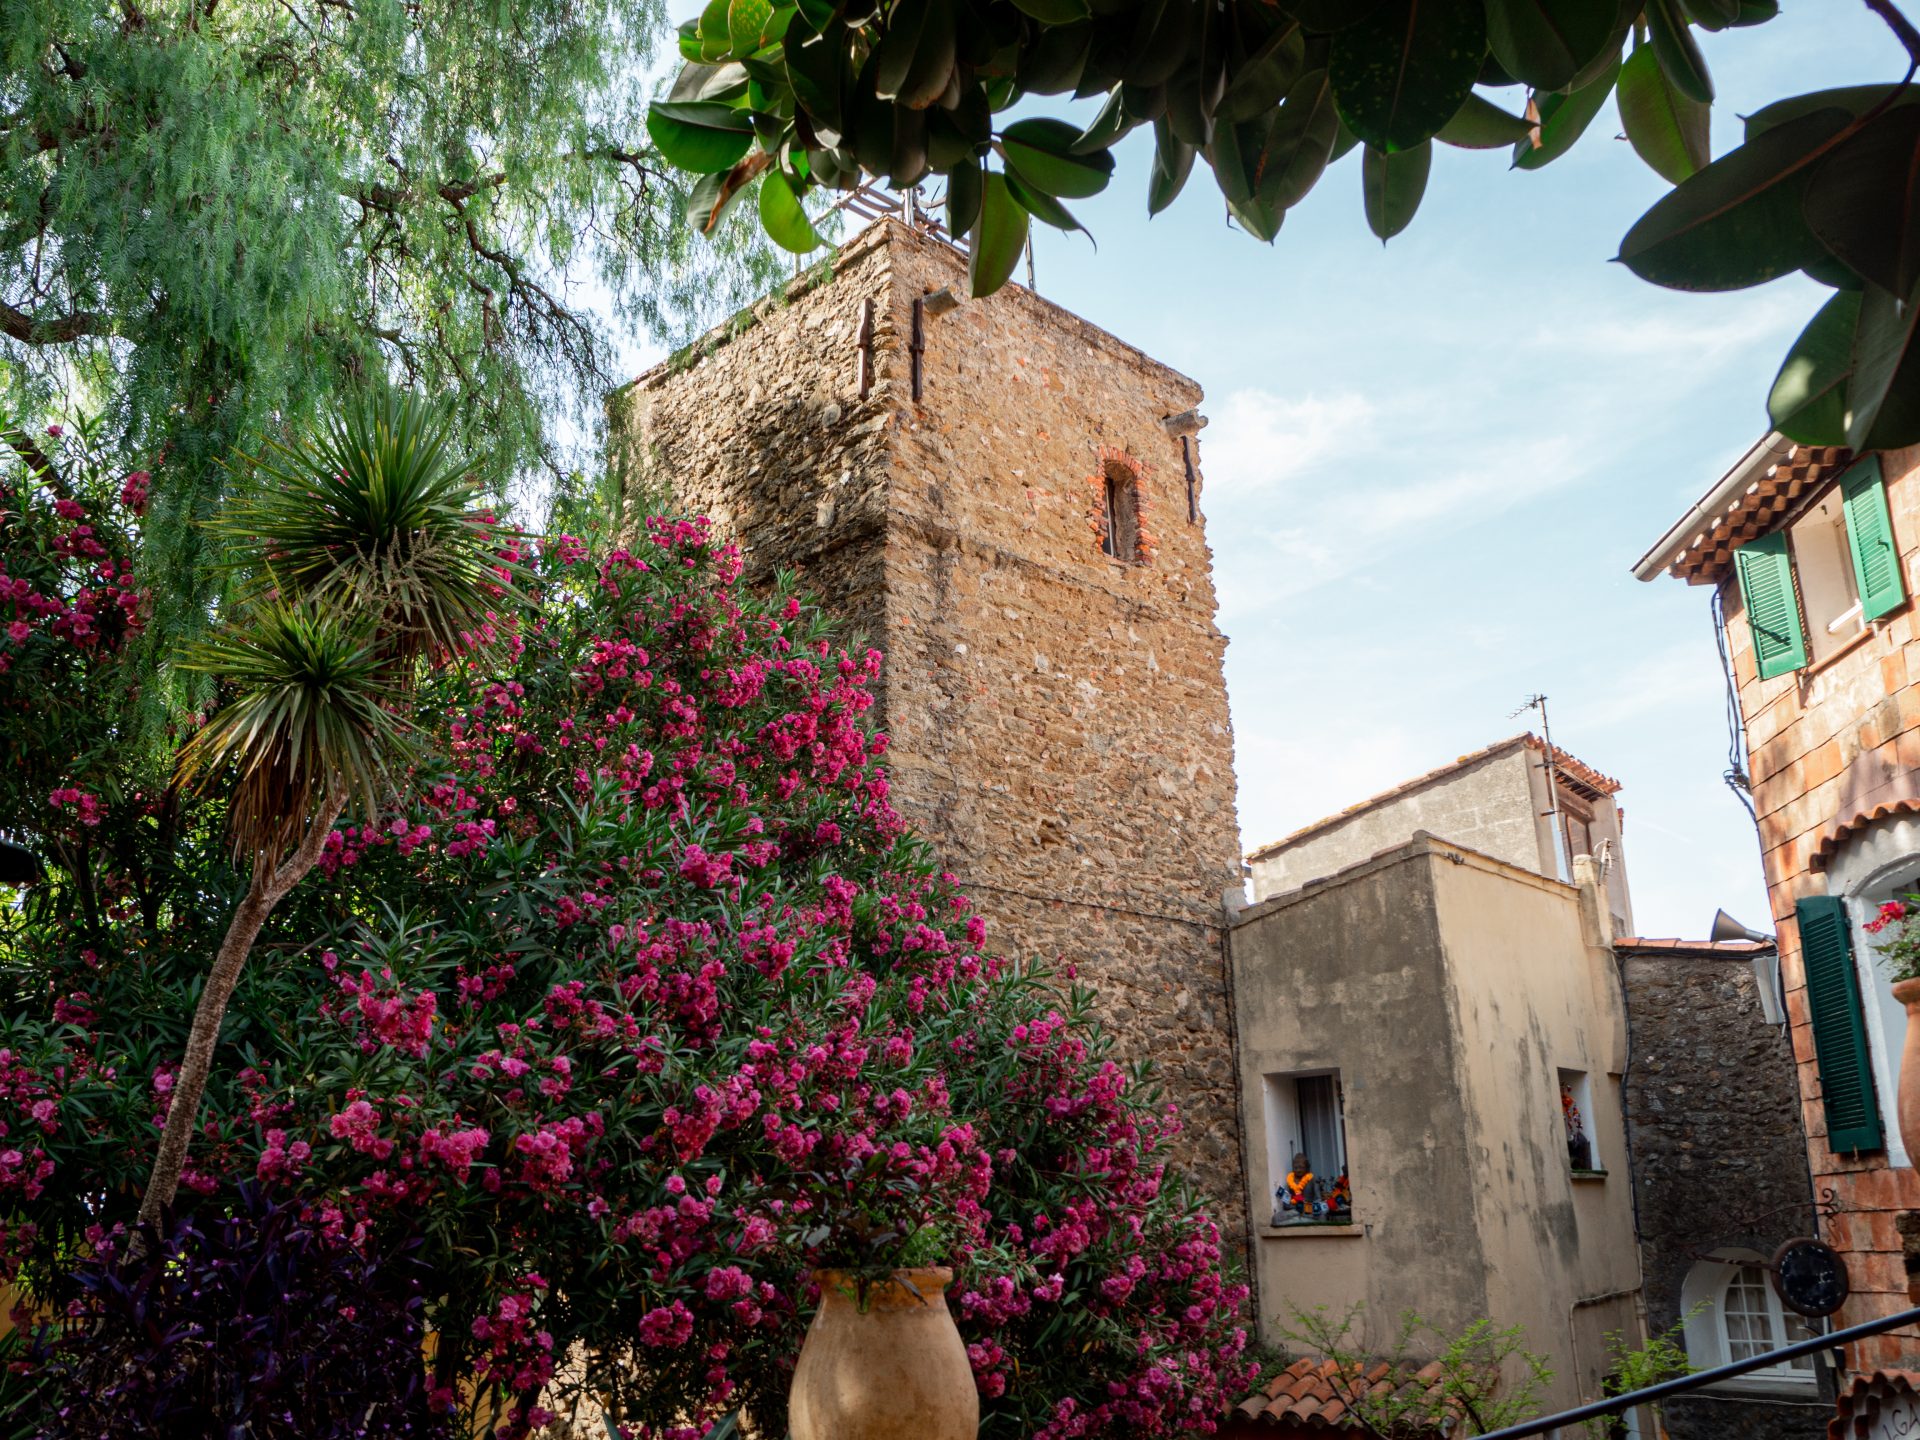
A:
(1123, 515)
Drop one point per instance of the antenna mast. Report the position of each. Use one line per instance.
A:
(1561, 862)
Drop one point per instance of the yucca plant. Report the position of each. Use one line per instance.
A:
(358, 553)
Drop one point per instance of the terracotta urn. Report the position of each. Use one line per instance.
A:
(1907, 992)
(884, 1365)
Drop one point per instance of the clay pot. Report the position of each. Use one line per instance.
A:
(1907, 992)
(888, 1365)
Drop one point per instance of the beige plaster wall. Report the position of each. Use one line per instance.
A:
(1449, 989)
(1534, 992)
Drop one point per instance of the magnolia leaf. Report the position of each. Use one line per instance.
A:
(998, 237)
(748, 24)
(783, 217)
(1563, 120)
(915, 60)
(1546, 43)
(815, 77)
(907, 162)
(1479, 124)
(1042, 206)
(1808, 402)
(1163, 31)
(1041, 150)
(1679, 56)
(703, 136)
(1054, 12)
(1864, 201)
(1666, 128)
(1229, 165)
(1266, 76)
(692, 48)
(1324, 16)
(1392, 185)
(1713, 14)
(1055, 61)
(1856, 100)
(699, 81)
(963, 197)
(1298, 144)
(1258, 218)
(1108, 126)
(1883, 397)
(1172, 163)
(1402, 73)
(1738, 222)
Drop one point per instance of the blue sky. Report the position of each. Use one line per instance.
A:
(1431, 465)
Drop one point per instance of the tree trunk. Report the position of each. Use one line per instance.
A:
(269, 887)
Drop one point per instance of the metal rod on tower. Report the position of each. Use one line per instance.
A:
(1562, 862)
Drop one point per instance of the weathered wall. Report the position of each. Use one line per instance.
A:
(1820, 742)
(1533, 992)
(1449, 989)
(1058, 718)
(1486, 806)
(1350, 975)
(1719, 1157)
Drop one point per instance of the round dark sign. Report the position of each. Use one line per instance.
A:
(1810, 1277)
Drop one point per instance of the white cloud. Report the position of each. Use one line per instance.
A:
(1258, 441)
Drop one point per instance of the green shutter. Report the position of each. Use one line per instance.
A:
(1773, 612)
(1839, 1031)
(1876, 561)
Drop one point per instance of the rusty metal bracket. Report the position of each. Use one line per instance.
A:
(863, 339)
(917, 345)
(1193, 480)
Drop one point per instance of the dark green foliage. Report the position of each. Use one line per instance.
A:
(1272, 94)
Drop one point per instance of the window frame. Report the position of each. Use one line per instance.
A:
(1703, 1304)
(1280, 1144)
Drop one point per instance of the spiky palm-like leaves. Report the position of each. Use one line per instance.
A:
(378, 515)
(313, 719)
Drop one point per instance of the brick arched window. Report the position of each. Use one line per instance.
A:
(1119, 508)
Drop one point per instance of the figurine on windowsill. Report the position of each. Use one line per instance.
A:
(1340, 1198)
(1298, 1198)
(1579, 1147)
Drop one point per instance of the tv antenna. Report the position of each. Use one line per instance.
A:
(1539, 702)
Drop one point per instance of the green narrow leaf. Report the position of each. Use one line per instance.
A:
(1172, 163)
(1679, 55)
(1808, 401)
(1738, 222)
(815, 77)
(1479, 124)
(1713, 14)
(1258, 218)
(1546, 43)
(1856, 100)
(1392, 185)
(1666, 128)
(1054, 12)
(1229, 165)
(703, 136)
(1107, 127)
(1864, 200)
(1563, 120)
(1399, 75)
(1041, 206)
(963, 197)
(783, 217)
(998, 238)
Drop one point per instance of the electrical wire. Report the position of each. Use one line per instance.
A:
(1735, 774)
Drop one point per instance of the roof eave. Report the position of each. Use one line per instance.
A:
(1770, 449)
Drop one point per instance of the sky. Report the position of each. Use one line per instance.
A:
(1431, 465)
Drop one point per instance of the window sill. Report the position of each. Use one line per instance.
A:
(1307, 1228)
(1588, 1174)
(1867, 632)
(1759, 1387)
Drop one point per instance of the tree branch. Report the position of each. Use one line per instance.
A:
(61, 330)
(1901, 26)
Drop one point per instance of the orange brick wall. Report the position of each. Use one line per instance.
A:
(1803, 730)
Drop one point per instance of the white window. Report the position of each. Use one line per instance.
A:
(1576, 1114)
(1734, 1313)
(1823, 564)
(1307, 1149)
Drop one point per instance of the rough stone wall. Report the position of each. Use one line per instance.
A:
(1058, 718)
(1818, 740)
(1714, 1118)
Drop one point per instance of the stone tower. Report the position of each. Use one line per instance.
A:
(1005, 500)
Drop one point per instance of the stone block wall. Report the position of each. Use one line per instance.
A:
(1058, 716)
(1719, 1160)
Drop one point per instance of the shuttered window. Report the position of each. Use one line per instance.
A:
(1773, 614)
(1839, 1032)
(1876, 561)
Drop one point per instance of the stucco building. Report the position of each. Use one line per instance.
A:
(1430, 1020)
(1006, 500)
(1808, 559)
(1513, 800)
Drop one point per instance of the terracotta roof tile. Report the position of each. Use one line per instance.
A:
(1705, 557)
(1312, 1394)
(1640, 944)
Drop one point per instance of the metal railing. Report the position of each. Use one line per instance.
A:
(1619, 1404)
